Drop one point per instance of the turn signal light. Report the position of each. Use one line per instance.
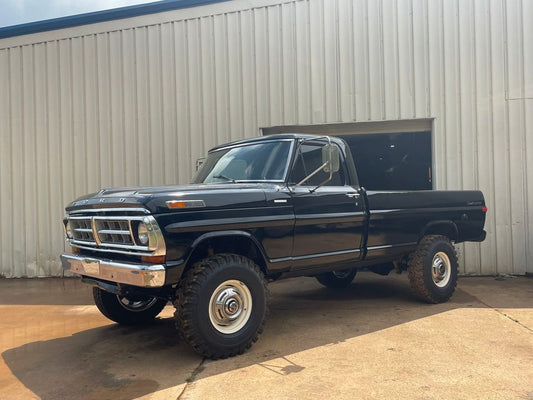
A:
(176, 204)
(185, 204)
(153, 260)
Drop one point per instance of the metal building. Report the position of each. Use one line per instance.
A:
(134, 96)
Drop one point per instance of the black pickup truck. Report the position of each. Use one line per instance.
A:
(259, 210)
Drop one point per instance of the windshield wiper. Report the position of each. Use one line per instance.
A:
(225, 178)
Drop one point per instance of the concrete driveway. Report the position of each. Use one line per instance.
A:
(369, 341)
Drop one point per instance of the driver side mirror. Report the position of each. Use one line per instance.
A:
(330, 158)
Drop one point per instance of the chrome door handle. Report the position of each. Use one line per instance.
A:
(353, 195)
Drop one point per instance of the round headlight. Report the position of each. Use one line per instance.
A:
(68, 230)
(142, 234)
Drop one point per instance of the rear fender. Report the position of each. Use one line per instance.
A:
(446, 228)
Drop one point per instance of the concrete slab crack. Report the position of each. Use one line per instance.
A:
(505, 315)
(190, 380)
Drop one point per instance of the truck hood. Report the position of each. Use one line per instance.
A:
(224, 195)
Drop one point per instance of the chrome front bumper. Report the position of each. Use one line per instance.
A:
(144, 275)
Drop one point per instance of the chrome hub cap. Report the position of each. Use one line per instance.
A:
(136, 305)
(230, 306)
(441, 269)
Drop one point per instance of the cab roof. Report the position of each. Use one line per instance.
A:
(278, 136)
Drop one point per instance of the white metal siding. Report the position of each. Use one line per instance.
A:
(136, 101)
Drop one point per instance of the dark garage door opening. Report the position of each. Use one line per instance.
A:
(389, 155)
(392, 161)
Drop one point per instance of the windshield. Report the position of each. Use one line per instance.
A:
(253, 162)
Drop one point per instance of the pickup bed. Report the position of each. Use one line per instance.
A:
(259, 210)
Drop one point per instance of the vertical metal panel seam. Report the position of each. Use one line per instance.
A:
(353, 70)
(136, 102)
(25, 173)
(367, 53)
(241, 66)
(188, 86)
(491, 121)
(173, 84)
(159, 114)
(201, 81)
(459, 95)
(381, 54)
(254, 63)
(458, 105)
(281, 57)
(524, 147)
(71, 112)
(428, 71)
(60, 136)
(268, 95)
(109, 110)
(396, 51)
(83, 123)
(476, 131)
(523, 133)
(309, 68)
(98, 132)
(11, 180)
(506, 121)
(230, 105)
(214, 63)
(322, 31)
(150, 110)
(294, 36)
(123, 101)
(338, 63)
(49, 226)
(443, 93)
(412, 66)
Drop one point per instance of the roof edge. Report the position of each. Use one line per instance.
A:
(101, 16)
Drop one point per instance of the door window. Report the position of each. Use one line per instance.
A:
(308, 159)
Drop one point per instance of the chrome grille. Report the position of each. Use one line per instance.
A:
(114, 231)
(115, 234)
(82, 229)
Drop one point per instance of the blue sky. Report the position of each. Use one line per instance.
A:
(14, 12)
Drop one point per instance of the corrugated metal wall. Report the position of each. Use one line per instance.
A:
(136, 101)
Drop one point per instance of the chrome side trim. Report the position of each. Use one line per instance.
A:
(318, 255)
(144, 275)
(388, 246)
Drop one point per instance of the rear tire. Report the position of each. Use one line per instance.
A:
(339, 279)
(128, 311)
(433, 269)
(221, 304)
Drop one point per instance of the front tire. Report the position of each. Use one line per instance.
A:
(339, 279)
(433, 269)
(128, 310)
(221, 304)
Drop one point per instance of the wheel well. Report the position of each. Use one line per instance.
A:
(236, 244)
(445, 228)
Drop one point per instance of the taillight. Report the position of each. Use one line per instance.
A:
(484, 209)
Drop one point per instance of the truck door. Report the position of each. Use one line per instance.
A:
(329, 220)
